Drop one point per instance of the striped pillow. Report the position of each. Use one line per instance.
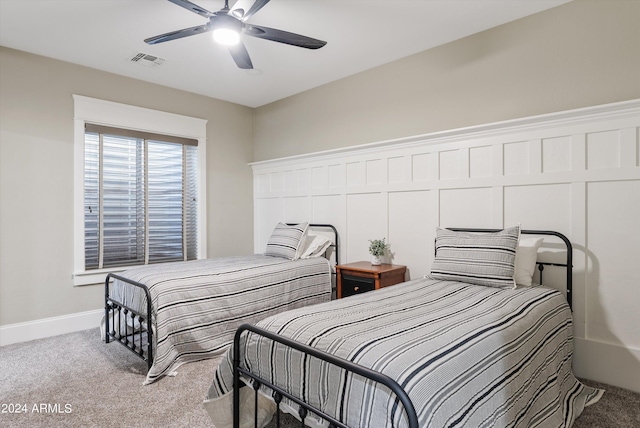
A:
(483, 259)
(287, 241)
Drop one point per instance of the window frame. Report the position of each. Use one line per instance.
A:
(108, 113)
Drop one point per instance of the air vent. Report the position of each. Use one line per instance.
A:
(146, 60)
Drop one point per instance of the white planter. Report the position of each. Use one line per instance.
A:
(375, 260)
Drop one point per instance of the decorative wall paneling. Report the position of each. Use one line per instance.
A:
(577, 172)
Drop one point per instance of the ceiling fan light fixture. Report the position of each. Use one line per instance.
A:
(226, 36)
(226, 29)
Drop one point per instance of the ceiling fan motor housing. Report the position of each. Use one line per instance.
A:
(225, 21)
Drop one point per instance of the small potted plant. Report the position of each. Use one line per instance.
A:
(377, 248)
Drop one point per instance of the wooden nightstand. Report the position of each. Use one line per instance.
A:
(360, 277)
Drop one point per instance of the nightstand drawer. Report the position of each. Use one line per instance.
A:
(355, 285)
(360, 277)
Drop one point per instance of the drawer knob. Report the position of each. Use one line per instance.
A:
(356, 288)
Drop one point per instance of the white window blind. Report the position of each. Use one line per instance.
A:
(140, 198)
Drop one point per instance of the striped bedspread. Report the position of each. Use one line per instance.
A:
(467, 355)
(198, 305)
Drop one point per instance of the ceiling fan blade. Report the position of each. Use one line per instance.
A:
(192, 31)
(193, 8)
(239, 8)
(283, 37)
(241, 56)
(257, 5)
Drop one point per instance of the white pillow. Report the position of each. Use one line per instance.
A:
(315, 246)
(526, 256)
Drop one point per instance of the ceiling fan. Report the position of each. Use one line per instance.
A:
(227, 25)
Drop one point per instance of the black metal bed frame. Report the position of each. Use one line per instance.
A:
(140, 341)
(304, 408)
(279, 393)
(144, 346)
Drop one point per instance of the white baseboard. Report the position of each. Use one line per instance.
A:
(607, 363)
(38, 329)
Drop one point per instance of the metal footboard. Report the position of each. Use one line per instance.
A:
(304, 408)
(118, 318)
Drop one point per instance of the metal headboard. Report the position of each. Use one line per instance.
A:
(335, 244)
(568, 265)
(336, 248)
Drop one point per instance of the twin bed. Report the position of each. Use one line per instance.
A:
(473, 344)
(172, 313)
(464, 347)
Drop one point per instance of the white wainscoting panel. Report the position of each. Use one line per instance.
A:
(330, 209)
(290, 180)
(542, 206)
(516, 158)
(376, 171)
(319, 177)
(422, 167)
(366, 219)
(276, 182)
(614, 262)
(297, 209)
(480, 161)
(398, 169)
(356, 174)
(411, 236)
(576, 172)
(337, 175)
(450, 164)
(304, 179)
(556, 154)
(471, 207)
(268, 212)
(603, 150)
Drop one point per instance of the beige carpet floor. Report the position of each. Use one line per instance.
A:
(75, 380)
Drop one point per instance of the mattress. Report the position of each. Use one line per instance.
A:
(467, 356)
(197, 305)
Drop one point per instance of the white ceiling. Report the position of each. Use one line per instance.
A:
(360, 34)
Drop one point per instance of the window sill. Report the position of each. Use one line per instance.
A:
(97, 276)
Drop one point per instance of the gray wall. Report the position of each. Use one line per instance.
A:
(579, 54)
(36, 177)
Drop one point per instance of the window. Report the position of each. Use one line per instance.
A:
(139, 196)
(139, 193)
